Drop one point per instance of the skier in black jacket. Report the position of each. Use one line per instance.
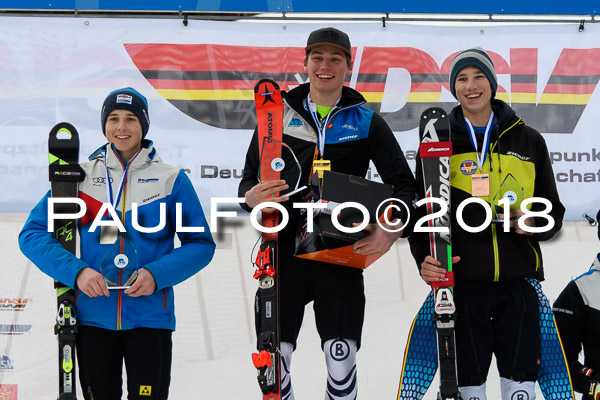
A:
(325, 120)
(577, 314)
(495, 156)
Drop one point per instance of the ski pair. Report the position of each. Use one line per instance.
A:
(269, 114)
(64, 175)
(420, 363)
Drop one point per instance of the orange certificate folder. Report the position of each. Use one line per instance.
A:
(326, 243)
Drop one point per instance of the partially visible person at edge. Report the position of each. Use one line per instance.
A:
(132, 325)
(577, 314)
(324, 119)
(497, 309)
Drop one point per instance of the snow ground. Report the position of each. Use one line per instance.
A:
(215, 338)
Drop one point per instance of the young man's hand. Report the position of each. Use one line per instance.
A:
(264, 192)
(91, 282)
(143, 285)
(432, 270)
(378, 241)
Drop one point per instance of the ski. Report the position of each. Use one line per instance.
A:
(269, 113)
(435, 150)
(554, 378)
(64, 175)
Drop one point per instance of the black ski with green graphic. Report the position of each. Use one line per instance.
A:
(64, 174)
(435, 151)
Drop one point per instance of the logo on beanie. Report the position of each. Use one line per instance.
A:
(146, 116)
(124, 98)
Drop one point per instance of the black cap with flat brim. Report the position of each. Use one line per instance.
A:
(329, 37)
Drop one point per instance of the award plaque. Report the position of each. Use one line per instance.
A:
(512, 190)
(119, 267)
(285, 163)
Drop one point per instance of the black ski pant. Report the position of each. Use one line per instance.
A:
(147, 354)
(500, 318)
(337, 293)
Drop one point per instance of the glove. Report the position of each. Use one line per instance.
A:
(594, 390)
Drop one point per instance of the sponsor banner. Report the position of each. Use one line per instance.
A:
(6, 364)
(199, 81)
(8, 391)
(13, 304)
(13, 329)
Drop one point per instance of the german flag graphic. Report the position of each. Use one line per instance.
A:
(214, 83)
(566, 93)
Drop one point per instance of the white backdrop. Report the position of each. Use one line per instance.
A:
(60, 69)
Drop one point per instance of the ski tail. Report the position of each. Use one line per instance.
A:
(420, 357)
(64, 175)
(269, 114)
(554, 377)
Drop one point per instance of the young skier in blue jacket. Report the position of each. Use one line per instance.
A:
(134, 323)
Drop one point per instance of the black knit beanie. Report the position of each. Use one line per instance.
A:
(126, 99)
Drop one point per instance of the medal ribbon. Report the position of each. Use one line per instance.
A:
(109, 191)
(321, 127)
(481, 156)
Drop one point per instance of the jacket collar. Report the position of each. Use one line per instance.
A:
(295, 97)
(505, 116)
(146, 155)
(596, 263)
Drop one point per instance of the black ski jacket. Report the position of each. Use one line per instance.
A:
(577, 314)
(355, 136)
(517, 161)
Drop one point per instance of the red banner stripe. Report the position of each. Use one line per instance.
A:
(569, 89)
(181, 84)
(578, 62)
(209, 57)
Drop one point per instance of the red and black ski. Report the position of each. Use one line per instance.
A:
(65, 174)
(269, 113)
(435, 151)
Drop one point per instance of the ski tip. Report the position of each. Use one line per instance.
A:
(434, 112)
(268, 85)
(64, 131)
(63, 152)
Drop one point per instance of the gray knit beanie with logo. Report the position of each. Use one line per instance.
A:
(475, 57)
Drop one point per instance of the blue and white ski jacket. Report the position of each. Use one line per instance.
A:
(149, 182)
(355, 136)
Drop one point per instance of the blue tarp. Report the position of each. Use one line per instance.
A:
(434, 6)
